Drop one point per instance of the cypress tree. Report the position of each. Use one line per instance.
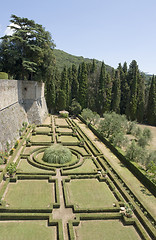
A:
(101, 89)
(65, 88)
(83, 86)
(50, 94)
(108, 93)
(133, 75)
(74, 83)
(124, 87)
(151, 106)
(141, 99)
(116, 93)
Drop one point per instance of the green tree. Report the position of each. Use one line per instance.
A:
(75, 107)
(29, 50)
(108, 93)
(101, 89)
(151, 107)
(74, 83)
(61, 100)
(133, 76)
(141, 99)
(116, 93)
(83, 86)
(124, 88)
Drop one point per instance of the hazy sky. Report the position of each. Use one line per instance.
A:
(110, 30)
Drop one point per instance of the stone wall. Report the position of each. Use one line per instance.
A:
(20, 101)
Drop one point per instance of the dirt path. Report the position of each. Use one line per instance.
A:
(62, 213)
(139, 190)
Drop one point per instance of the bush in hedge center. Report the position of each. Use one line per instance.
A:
(57, 154)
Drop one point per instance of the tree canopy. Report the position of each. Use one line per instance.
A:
(28, 52)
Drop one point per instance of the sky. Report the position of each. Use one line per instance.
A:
(113, 31)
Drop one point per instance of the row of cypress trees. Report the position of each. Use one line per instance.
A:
(124, 90)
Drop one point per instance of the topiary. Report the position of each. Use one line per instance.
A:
(3, 75)
(57, 154)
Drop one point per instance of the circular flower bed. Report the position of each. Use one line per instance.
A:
(57, 154)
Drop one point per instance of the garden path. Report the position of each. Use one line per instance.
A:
(62, 213)
(138, 188)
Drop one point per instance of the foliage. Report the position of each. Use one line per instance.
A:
(27, 53)
(87, 114)
(57, 154)
(135, 153)
(83, 86)
(3, 75)
(116, 97)
(144, 137)
(75, 107)
(128, 209)
(11, 168)
(151, 107)
(3, 157)
(112, 124)
(119, 139)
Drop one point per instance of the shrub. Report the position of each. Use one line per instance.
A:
(119, 139)
(135, 153)
(11, 168)
(3, 75)
(57, 154)
(144, 137)
(75, 107)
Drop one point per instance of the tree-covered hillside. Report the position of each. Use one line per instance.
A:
(65, 59)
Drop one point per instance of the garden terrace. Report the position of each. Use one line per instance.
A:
(80, 199)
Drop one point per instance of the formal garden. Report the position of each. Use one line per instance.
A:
(56, 183)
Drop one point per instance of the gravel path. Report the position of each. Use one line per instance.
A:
(62, 213)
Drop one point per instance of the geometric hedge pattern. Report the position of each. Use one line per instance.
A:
(81, 199)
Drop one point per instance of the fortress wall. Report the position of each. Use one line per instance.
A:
(20, 101)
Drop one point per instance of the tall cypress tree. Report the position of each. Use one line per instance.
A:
(133, 75)
(101, 90)
(141, 99)
(74, 83)
(64, 84)
(108, 93)
(124, 87)
(151, 106)
(116, 93)
(50, 92)
(83, 86)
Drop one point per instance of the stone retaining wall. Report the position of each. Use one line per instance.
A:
(20, 101)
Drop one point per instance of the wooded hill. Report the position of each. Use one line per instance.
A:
(65, 59)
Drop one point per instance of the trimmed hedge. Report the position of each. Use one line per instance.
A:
(3, 75)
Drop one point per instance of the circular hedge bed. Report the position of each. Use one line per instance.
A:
(57, 154)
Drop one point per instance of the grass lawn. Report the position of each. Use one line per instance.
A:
(43, 129)
(25, 167)
(87, 167)
(90, 193)
(61, 130)
(61, 122)
(30, 194)
(105, 230)
(68, 139)
(24, 230)
(40, 138)
(81, 150)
